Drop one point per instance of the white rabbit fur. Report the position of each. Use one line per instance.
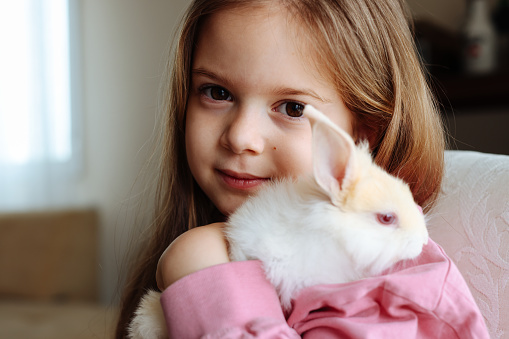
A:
(324, 228)
(148, 321)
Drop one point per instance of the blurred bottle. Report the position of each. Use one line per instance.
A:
(479, 39)
(501, 20)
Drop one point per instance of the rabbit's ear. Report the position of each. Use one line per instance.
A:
(333, 157)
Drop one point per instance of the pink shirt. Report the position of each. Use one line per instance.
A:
(422, 298)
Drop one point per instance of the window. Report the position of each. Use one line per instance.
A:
(38, 132)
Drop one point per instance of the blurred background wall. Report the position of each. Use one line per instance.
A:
(123, 48)
(475, 108)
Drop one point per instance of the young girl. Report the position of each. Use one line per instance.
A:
(241, 74)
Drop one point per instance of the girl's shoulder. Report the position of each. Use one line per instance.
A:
(196, 249)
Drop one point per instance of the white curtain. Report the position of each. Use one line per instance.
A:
(38, 141)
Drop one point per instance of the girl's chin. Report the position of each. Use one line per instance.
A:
(228, 210)
(231, 206)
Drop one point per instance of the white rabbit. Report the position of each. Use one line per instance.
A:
(347, 221)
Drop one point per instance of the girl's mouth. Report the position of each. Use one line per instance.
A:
(241, 181)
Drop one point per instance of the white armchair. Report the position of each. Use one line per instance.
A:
(471, 222)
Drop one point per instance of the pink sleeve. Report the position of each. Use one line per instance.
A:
(231, 300)
(424, 298)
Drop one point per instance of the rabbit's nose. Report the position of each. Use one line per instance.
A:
(419, 208)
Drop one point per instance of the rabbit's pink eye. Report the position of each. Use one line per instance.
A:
(386, 218)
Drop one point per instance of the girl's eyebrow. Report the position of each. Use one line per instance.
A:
(284, 91)
(280, 91)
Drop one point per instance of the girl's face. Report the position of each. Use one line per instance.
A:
(251, 77)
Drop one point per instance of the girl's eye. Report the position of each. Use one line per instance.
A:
(386, 218)
(292, 109)
(217, 93)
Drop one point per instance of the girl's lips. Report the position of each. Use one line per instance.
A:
(242, 181)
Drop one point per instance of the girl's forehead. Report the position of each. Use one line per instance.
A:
(250, 17)
(262, 30)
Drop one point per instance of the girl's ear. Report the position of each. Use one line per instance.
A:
(333, 157)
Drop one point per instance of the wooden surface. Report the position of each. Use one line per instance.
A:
(39, 320)
(49, 256)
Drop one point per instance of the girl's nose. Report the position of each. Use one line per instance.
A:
(244, 133)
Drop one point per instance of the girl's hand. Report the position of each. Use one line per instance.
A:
(194, 250)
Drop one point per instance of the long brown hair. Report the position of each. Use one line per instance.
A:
(372, 60)
(366, 50)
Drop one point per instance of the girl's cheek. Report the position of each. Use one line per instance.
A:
(296, 158)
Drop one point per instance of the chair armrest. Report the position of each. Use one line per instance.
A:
(471, 222)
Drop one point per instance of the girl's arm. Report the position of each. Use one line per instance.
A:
(207, 296)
